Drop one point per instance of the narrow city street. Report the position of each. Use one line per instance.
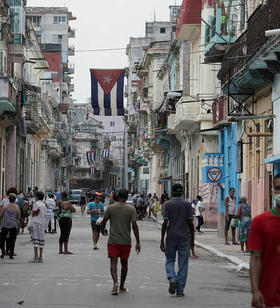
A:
(83, 280)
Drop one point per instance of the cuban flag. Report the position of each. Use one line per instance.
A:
(106, 153)
(92, 170)
(91, 157)
(107, 92)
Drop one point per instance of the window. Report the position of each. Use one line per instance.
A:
(113, 138)
(112, 123)
(146, 170)
(150, 30)
(162, 30)
(59, 38)
(59, 20)
(36, 20)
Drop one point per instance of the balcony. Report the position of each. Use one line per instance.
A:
(71, 33)
(187, 113)
(217, 38)
(64, 87)
(71, 87)
(54, 148)
(189, 20)
(32, 117)
(7, 96)
(71, 68)
(213, 168)
(71, 51)
(17, 48)
(253, 59)
(171, 123)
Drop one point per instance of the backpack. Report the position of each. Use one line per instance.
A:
(26, 210)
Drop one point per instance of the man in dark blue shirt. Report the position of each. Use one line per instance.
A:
(178, 222)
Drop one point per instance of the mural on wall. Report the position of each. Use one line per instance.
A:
(210, 195)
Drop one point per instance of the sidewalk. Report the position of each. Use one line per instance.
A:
(209, 240)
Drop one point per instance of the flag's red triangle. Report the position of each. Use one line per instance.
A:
(107, 78)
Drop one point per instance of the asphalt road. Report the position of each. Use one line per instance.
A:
(83, 279)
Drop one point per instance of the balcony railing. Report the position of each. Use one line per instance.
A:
(71, 33)
(187, 113)
(71, 51)
(218, 35)
(32, 117)
(266, 17)
(189, 20)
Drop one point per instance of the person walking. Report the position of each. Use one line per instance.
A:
(230, 208)
(65, 223)
(198, 213)
(264, 244)
(50, 212)
(244, 223)
(83, 201)
(10, 215)
(178, 223)
(95, 210)
(38, 230)
(151, 206)
(122, 217)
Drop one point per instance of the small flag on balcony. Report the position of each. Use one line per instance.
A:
(105, 153)
(92, 170)
(107, 92)
(91, 157)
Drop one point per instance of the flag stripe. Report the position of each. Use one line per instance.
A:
(107, 104)
(94, 95)
(120, 93)
(101, 99)
(113, 101)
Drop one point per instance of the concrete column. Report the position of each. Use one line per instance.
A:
(11, 157)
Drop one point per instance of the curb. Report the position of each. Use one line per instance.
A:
(241, 265)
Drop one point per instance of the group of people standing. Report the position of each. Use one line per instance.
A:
(239, 219)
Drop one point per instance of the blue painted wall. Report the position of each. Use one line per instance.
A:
(228, 146)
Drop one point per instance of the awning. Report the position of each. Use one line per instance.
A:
(6, 106)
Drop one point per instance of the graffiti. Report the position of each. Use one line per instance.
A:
(209, 192)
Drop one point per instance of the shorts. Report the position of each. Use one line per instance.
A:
(95, 227)
(118, 250)
(227, 222)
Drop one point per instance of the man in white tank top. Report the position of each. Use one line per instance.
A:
(230, 207)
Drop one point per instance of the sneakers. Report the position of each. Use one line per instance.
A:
(40, 260)
(95, 248)
(34, 260)
(180, 294)
(172, 287)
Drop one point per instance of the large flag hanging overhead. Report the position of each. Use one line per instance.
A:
(107, 92)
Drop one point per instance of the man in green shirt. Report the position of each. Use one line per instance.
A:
(122, 216)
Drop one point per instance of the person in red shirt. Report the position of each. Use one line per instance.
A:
(264, 244)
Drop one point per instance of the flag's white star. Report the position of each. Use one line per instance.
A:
(107, 79)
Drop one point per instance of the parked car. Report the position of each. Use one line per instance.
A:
(74, 195)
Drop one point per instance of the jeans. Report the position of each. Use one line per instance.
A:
(183, 263)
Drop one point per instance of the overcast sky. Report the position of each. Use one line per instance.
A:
(105, 24)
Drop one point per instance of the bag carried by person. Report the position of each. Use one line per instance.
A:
(99, 220)
(234, 222)
(26, 210)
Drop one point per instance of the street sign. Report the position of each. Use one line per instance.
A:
(214, 174)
